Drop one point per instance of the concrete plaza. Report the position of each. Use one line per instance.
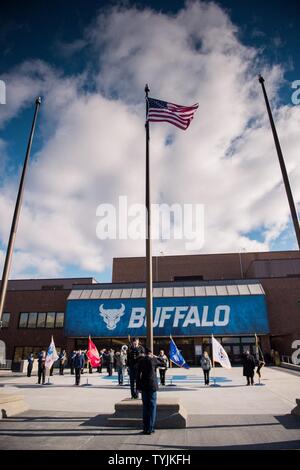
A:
(229, 415)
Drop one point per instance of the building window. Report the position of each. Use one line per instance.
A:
(5, 320)
(50, 320)
(32, 320)
(22, 352)
(230, 340)
(59, 321)
(250, 339)
(41, 320)
(23, 320)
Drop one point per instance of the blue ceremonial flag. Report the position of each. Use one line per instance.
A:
(176, 356)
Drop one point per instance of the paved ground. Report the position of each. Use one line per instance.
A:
(228, 416)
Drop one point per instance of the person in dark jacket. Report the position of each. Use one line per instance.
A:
(99, 368)
(105, 359)
(248, 367)
(146, 382)
(206, 366)
(72, 359)
(78, 365)
(120, 360)
(41, 367)
(163, 369)
(134, 353)
(30, 360)
(110, 362)
(62, 360)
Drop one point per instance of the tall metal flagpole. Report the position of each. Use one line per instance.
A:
(213, 361)
(282, 165)
(14, 225)
(149, 300)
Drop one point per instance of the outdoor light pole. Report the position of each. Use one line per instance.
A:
(282, 165)
(149, 299)
(14, 225)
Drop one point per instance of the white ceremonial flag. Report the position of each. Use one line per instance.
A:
(219, 354)
(52, 355)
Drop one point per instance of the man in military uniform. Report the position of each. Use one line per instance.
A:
(30, 360)
(78, 365)
(41, 367)
(146, 381)
(135, 353)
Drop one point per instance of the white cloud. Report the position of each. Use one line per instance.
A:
(93, 142)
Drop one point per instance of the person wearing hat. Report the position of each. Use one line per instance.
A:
(146, 382)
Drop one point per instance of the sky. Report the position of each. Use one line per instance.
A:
(90, 61)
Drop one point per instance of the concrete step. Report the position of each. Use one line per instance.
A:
(170, 413)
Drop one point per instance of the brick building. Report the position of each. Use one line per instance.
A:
(278, 273)
(234, 296)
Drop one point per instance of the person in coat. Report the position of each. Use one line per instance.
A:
(30, 360)
(248, 367)
(62, 360)
(163, 369)
(134, 353)
(99, 368)
(206, 366)
(110, 363)
(78, 365)
(146, 382)
(72, 359)
(120, 360)
(41, 367)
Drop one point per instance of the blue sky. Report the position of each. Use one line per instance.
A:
(49, 47)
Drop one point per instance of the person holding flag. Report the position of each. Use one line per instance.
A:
(176, 356)
(206, 366)
(41, 367)
(249, 367)
(52, 355)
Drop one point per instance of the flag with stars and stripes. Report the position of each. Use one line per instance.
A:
(162, 111)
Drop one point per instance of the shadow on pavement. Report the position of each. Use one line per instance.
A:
(289, 421)
(280, 445)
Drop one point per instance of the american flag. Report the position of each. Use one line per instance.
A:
(179, 116)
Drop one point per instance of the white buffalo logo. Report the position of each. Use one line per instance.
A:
(111, 316)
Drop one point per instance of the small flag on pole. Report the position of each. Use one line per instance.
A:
(219, 354)
(93, 354)
(162, 111)
(176, 356)
(52, 355)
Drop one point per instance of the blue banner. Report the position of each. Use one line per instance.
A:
(177, 316)
(176, 356)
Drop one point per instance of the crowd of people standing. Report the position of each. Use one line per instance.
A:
(141, 365)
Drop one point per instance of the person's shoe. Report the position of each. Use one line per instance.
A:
(147, 433)
(153, 431)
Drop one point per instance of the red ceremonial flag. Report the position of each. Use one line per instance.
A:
(93, 354)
